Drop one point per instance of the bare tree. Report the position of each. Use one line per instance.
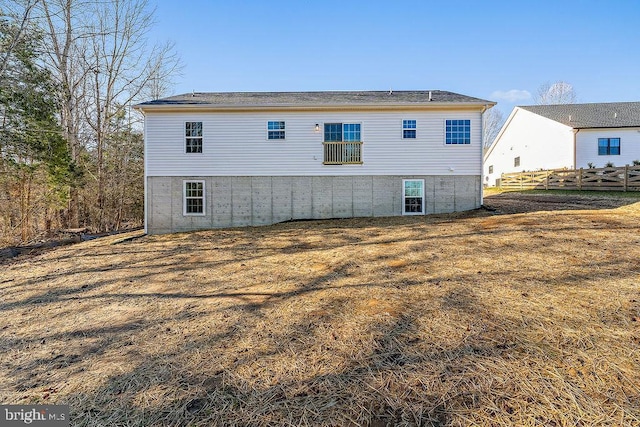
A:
(99, 53)
(162, 75)
(69, 72)
(65, 39)
(120, 74)
(492, 121)
(559, 92)
(20, 14)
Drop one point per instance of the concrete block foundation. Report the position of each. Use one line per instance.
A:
(251, 201)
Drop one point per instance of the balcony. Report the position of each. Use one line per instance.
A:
(342, 153)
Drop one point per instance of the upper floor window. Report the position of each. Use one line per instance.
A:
(351, 132)
(608, 146)
(193, 137)
(342, 132)
(458, 132)
(342, 143)
(275, 130)
(408, 129)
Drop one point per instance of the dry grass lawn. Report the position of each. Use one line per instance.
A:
(469, 319)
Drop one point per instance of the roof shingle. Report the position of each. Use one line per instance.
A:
(330, 98)
(589, 116)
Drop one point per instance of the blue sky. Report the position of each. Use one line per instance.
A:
(498, 50)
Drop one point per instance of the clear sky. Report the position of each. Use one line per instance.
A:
(498, 50)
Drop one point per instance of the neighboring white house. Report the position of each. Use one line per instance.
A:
(238, 159)
(565, 136)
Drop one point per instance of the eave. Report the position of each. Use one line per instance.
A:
(209, 108)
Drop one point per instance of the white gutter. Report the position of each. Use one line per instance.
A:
(312, 107)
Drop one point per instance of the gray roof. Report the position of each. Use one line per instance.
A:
(314, 99)
(589, 116)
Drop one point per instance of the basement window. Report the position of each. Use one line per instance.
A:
(413, 196)
(193, 198)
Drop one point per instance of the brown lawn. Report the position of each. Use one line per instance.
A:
(484, 318)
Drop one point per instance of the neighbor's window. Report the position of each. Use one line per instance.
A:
(413, 196)
(193, 137)
(491, 169)
(342, 143)
(409, 129)
(193, 197)
(275, 130)
(608, 146)
(458, 132)
(516, 161)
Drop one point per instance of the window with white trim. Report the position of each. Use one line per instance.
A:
(516, 162)
(275, 130)
(342, 132)
(409, 129)
(193, 137)
(193, 198)
(457, 132)
(413, 196)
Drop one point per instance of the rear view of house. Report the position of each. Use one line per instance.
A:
(568, 136)
(239, 159)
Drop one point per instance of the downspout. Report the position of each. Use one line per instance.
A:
(575, 148)
(146, 168)
(484, 108)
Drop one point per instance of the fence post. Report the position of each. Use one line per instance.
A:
(546, 180)
(580, 180)
(626, 177)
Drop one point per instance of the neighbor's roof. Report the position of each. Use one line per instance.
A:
(589, 116)
(314, 99)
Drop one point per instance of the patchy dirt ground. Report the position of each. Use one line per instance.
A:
(515, 202)
(482, 318)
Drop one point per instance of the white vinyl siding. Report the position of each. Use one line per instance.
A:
(587, 147)
(235, 145)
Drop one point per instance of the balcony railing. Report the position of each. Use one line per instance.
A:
(342, 153)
